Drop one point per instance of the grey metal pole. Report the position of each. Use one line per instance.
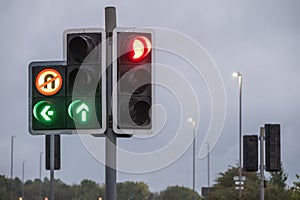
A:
(11, 166)
(110, 140)
(208, 170)
(40, 176)
(194, 158)
(52, 167)
(23, 171)
(240, 136)
(262, 176)
(110, 168)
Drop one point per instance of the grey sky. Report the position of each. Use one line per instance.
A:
(261, 39)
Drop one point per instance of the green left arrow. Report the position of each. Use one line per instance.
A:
(44, 112)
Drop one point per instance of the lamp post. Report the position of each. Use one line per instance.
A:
(23, 175)
(239, 75)
(11, 165)
(191, 120)
(208, 170)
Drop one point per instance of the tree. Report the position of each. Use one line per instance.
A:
(133, 191)
(225, 186)
(279, 178)
(4, 185)
(89, 190)
(276, 188)
(178, 193)
(295, 189)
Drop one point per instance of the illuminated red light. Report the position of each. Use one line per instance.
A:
(139, 48)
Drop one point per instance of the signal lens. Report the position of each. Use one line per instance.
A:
(80, 47)
(139, 48)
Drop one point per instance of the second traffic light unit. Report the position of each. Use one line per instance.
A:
(250, 153)
(85, 92)
(273, 158)
(132, 78)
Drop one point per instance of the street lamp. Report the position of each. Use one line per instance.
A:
(11, 165)
(191, 120)
(239, 75)
(208, 170)
(23, 175)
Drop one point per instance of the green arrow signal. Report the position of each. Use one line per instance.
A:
(83, 109)
(43, 112)
(46, 114)
(78, 111)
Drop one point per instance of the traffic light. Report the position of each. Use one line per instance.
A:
(85, 83)
(250, 153)
(132, 77)
(272, 135)
(46, 97)
(56, 152)
(69, 97)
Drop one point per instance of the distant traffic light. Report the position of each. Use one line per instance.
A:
(273, 158)
(133, 74)
(250, 153)
(56, 152)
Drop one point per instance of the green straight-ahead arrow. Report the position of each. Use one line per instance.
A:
(82, 109)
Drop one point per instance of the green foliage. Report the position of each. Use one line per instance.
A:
(223, 189)
(133, 191)
(86, 190)
(178, 193)
(278, 179)
(273, 192)
(4, 187)
(225, 186)
(295, 189)
(277, 186)
(89, 190)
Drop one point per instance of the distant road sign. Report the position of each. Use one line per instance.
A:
(236, 178)
(48, 82)
(238, 183)
(237, 188)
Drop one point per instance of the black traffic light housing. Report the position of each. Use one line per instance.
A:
(133, 81)
(272, 138)
(46, 102)
(85, 56)
(250, 153)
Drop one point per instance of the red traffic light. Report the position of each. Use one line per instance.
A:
(132, 71)
(138, 48)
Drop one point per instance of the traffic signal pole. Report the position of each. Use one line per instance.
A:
(52, 167)
(262, 176)
(111, 139)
